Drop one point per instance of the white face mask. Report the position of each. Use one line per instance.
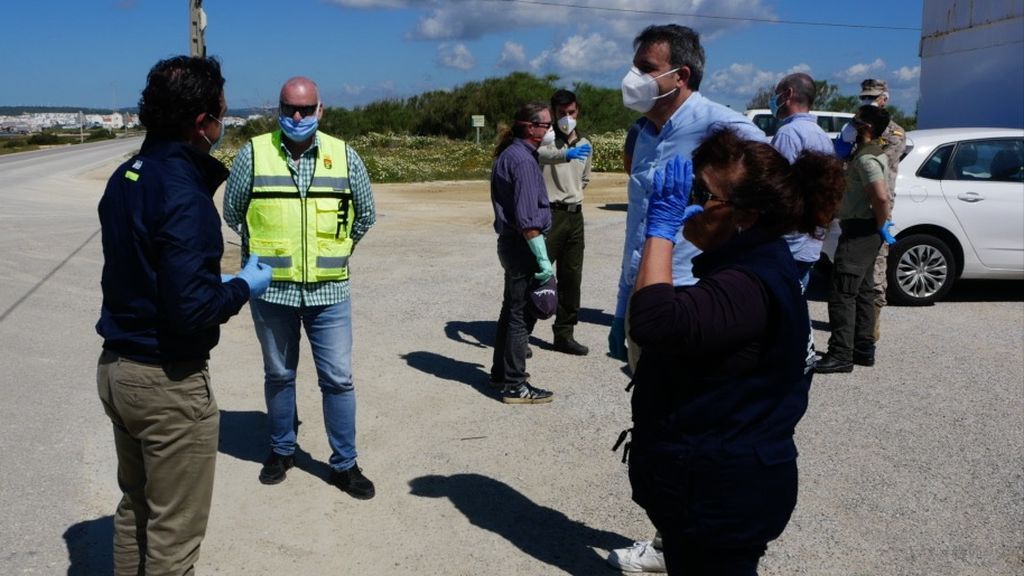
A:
(639, 90)
(549, 137)
(566, 124)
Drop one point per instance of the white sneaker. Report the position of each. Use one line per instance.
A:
(640, 557)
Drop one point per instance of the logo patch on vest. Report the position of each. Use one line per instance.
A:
(327, 162)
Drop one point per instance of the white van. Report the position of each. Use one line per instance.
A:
(830, 122)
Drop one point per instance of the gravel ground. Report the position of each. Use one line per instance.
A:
(908, 468)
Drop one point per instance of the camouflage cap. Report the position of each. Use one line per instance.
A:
(872, 87)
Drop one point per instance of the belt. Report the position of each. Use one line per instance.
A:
(565, 207)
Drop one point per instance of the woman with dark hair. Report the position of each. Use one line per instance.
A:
(726, 367)
(521, 218)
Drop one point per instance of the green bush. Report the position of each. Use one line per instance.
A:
(100, 134)
(43, 139)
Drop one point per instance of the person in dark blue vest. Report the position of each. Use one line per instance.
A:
(727, 362)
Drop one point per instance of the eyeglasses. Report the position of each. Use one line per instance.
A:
(700, 194)
(291, 109)
(868, 99)
(544, 125)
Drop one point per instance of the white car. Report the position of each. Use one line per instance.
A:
(959, 212)
(830, 122)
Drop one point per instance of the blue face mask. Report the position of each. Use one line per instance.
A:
(773, 104)
(298, 131)
(215, 143)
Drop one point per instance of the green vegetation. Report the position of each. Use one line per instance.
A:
(430, 136)
(403, 158)
(52, 138)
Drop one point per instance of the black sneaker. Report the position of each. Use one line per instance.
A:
(353, 482)
(570, 346)
(275, 468)
(525, 394)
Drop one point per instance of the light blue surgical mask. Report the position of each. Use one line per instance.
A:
(298, 131)
(215, 143)
(773, 104)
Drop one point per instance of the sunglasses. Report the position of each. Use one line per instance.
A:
(700, 194)
(291, 109)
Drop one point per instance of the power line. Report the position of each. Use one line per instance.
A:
(710, 17)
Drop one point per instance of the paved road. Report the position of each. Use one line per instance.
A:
(913, 467)
(50, 289)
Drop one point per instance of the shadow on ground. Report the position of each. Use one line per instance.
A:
(986, 291)
(544, 533)
(244, 435)
(596, 316)
(91, 547)
(469, 373)
(479, 333)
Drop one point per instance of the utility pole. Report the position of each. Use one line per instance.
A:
(197, 28)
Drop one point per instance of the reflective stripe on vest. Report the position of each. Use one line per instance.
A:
(304, 238)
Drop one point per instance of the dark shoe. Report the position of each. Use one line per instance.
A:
(353, 482)
(570, 346)
(830, 364)
(525, 394)
(863, 359)
(275, 468)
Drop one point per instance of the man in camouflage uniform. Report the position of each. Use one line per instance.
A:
(894, 140)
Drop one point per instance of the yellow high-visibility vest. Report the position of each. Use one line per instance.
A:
(305, 239)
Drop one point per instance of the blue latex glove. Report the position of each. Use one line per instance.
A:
(886, 235)
(578, 153)
(617, 340)
(668, 207)
(540, 252)
(256, 275)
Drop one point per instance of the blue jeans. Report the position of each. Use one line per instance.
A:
(508, 364)
(329, 329)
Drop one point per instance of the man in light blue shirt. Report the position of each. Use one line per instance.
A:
(679, 118)
(799, 131)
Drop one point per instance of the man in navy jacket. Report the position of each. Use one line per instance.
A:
(163, 302)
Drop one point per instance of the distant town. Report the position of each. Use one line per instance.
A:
(41, 121)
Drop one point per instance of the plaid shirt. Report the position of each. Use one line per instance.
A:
(236, 204)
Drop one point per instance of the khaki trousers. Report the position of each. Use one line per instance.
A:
(166, 427)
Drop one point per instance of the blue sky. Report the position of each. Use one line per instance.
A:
(96, 53)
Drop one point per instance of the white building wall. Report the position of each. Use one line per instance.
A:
(972, 64)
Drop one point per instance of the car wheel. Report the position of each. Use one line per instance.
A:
(920, 271)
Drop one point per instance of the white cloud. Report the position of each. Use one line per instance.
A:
(907, 74)
(743, 80)
(582, 53)
(513, 55)
(857, 72)
(375, 3)
(621, 19)
(349, 95)
(455, 56)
